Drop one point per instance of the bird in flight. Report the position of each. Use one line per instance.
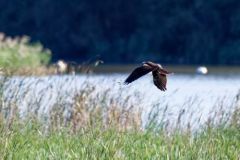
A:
(159, 74)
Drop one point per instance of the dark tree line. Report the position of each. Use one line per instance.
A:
(127, 31)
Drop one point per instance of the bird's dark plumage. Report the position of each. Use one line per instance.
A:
(137, 73)
(159, 80)
(159, 74)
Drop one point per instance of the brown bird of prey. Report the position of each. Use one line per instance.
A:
(159, 74)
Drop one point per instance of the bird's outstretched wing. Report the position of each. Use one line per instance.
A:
(138, 72)
(160, 80)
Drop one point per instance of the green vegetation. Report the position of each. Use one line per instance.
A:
(18, 53)
(102, 129)
(87, 134)
(29, 141)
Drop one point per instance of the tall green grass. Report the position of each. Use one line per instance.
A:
(97, 129)
(29, 141)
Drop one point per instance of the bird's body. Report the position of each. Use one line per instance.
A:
(159, 74)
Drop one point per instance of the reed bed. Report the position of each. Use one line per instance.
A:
(99, 125)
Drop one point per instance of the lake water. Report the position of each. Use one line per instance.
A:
(197, 97)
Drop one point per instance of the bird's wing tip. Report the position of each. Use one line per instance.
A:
(125, 83)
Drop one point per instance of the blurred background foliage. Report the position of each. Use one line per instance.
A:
(18, 52)
(121, 31)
